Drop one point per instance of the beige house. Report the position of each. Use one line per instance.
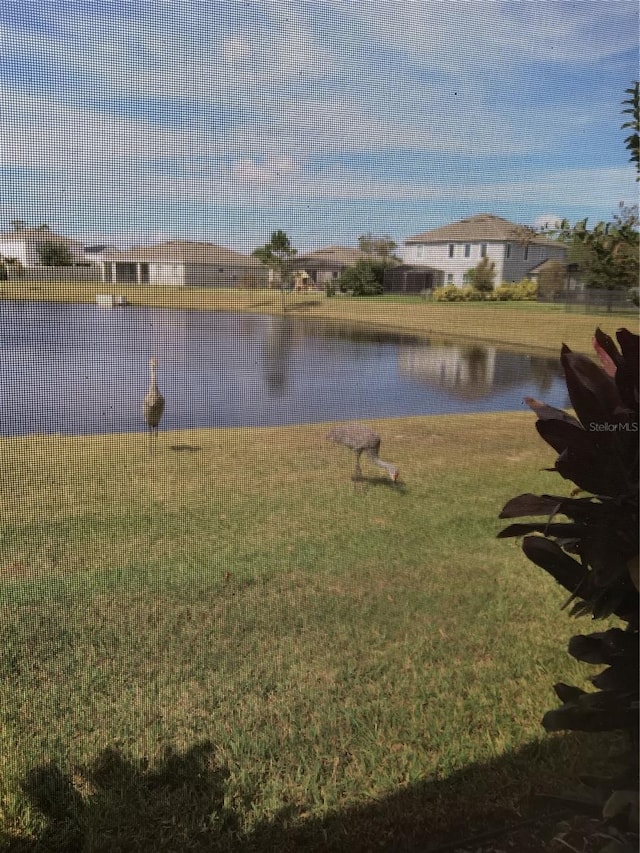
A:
(23, 245)
(454, 249)
(182, 263)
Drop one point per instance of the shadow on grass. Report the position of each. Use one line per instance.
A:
(184, 804)
(185, 448)
(377, 480)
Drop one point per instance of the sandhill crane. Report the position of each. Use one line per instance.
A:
(153, 402)
(361, 439)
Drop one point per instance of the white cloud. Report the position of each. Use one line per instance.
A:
(270, 170)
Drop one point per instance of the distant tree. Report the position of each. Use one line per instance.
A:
(552, 279)
(365, 278)
(379, 247)
(632, 141)
(54, 254)
(607, 254)
(18, 224)
(277, 254)
(482, 276)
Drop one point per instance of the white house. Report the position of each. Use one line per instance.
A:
(182, 263)
(455, 249)
(23, 245)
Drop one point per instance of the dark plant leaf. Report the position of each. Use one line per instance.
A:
(616, 677)
(594, 395)
(585, 463)
(603, 646)
(592, 712)
(550, 557)
(548, 529)
(547, 413)
(607, 352)
(568, 693)
(529, 504)
(561, 435)
(630, 346)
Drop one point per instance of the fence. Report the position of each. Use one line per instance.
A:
(595, 301)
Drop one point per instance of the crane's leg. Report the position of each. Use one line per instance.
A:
(357, 473)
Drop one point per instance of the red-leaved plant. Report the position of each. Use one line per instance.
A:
(589, 544)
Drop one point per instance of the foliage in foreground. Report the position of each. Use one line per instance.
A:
(594, 555)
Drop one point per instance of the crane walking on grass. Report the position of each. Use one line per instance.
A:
(361, 439)
(153, 403)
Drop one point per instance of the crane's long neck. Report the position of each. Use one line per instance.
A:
(153, 387)
(391, 470)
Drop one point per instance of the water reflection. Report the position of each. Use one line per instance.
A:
(80, 369)
(475, 371)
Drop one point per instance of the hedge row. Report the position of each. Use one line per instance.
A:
(525, 290)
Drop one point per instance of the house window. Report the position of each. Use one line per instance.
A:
(508, 250)
(467, 250)
(449, 278)
(526, 253)
(451, 249)
(483, 250)
(465, 278)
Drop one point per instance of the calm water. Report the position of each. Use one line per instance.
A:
(80, 369)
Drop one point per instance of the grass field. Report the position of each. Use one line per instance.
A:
(232, 646)
(517, 325)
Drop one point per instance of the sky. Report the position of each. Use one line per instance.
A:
(137, 122)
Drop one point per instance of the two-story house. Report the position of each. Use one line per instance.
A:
(454, 249)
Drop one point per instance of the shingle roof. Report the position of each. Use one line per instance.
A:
(181, 251)
(483, 226)
(342, 255)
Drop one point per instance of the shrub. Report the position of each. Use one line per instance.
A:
(363, 279)
(552, 279)
(523, 290)
(592, 550)
(53, 254)
(445, 294)
(505, 292)
(330, 289)
(482, 276)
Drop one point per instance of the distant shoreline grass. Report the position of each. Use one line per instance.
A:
(524, 326)
(360, 659)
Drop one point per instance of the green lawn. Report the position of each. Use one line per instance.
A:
(232, 646)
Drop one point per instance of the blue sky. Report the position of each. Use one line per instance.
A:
(138, 122)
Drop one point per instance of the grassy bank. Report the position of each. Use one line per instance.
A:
(231, 646)
(522, 326)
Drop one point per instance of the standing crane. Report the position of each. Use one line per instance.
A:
(153, 403)
(361, 439)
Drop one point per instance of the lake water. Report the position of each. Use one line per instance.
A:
(79, 369)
